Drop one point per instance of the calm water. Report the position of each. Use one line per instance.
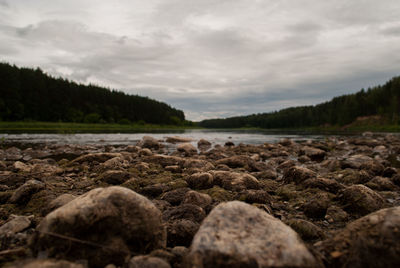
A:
(214, 136)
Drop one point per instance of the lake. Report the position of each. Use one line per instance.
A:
(214, 136)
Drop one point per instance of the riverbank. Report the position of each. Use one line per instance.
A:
(70, 128)
(311, 203)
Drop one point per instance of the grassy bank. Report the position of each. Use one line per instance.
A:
(61, 127)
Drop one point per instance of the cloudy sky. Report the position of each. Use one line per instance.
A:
(210, 58)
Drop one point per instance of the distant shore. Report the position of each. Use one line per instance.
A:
(70, 128)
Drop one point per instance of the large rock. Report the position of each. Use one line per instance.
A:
(98, 157)
(371, 241)
(360, 199)
(236, 234)
(102, 226)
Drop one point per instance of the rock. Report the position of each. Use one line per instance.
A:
(371, 241)
(381, 184)
(21, 167)
(147, 262)
(4, 197)
(3, 166)
(175, 197)
(197, 163)
(195, 198)
(373, 167)
(389, 172)
(336, 214)
(173, 169)
(316, 207)
(181, 232)
(307, 230)
(149, 142)
(328, 185)
(23, 194)
(16, 225)
(115, 177)
(203, 180)
(285, 165)
(360, 199)
(186, 148)
(298, 174)
(164, 160)
(314, 154)
(95, 157)
(229, 144)
(235, 181)
(355, 161)
(58, 202)
(47, 263)
(265, 175)
(236, 234)
(219, 194)
(113, 221)
(176, 139)
(145, 152)
(350, 176)
(203, 145)
(185, 211)
(256, 196)
(153, 190)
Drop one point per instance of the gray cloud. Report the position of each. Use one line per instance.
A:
(209, 58)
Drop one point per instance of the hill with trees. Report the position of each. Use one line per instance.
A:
(382, 101)
(31, 94)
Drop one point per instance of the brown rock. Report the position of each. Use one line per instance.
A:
(111, 221)
(298, 174)
(145, 261)
(23, 194)
(360, 199)
(203, 180)
(371, 241)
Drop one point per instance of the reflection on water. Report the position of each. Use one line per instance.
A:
(214, 136)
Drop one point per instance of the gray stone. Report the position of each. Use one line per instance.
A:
(236, 234)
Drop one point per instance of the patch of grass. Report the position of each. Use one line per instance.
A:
(70, 128)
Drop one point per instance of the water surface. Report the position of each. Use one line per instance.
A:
(214, 136)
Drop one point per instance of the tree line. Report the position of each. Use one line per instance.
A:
(383, 100)
(30, 94)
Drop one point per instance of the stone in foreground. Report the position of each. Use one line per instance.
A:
(103, 226)
(371, 241)
(236, 234)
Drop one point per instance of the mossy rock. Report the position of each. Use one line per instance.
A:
(176, 184)
(132, 184)
(219, 194)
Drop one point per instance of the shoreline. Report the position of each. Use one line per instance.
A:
(314, 192)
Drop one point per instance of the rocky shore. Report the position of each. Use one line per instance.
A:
(330, 203)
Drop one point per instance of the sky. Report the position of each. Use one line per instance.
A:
(209, 58)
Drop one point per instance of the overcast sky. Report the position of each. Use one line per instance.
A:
(210, 58)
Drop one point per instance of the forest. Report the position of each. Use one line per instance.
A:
(32, 95)
(383, 100)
